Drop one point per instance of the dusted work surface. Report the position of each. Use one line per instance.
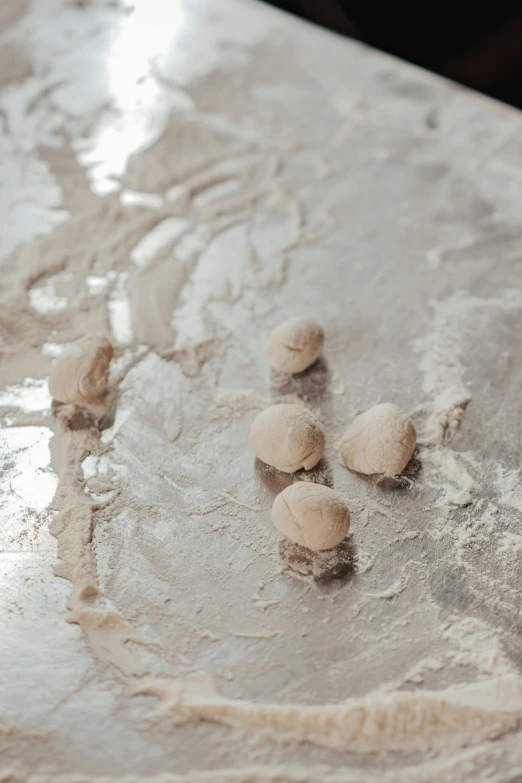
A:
(182, 176)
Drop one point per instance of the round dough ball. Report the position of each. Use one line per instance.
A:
(294, 345)
(311, 515)
(287, 437)
(81, 374)
(381, 440)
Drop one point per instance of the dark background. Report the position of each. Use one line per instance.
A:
(478, 44)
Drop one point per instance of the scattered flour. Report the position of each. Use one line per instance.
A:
(173, 424)
(510, 545)
(398, 721)
(453, 476)
(479, 645)
(134, 305)
(417, 672)
(230, 402)
(398, 587)
(456, 321)
(510, 487)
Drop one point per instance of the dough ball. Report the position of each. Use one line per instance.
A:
(294, 345)
(81, 374)
(311, 515)
(287, 437)
(381, 440)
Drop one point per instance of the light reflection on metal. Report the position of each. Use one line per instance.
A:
(30, 396)
(28, 482)
(139, 103)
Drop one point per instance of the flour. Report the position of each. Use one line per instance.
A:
(173, 424)
(392, 722)
(510, 488)
(193, 356)
(453, 718)
(463, 498)
(418, 672)
(161, 525)
(510, 545)
(462, 766)
(456, 320)
(72, 527)
(233, 402)
(163, 234)
(453, 476)
(479, 646)
(397, 587)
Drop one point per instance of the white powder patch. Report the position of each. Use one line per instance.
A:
(510, 488)
(29, 206)
(452, 476)
(236, 401)
(220, 273)
(44, 299)
(173, 424)
(398, 587)
(476, 532)
(510, 545)
(276, 226)
(462, 498)
(96, 284)
(52, 350)
(456, 319)
(157, 238)
(139, 199)
(417, 673)
(120, 315)
(479, 645)
(30, 396)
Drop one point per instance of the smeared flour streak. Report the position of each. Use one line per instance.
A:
(456, 321)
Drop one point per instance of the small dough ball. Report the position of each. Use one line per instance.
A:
(287, 437)
(381, 440)
(311, 515)
(81, 374)
(294, 345)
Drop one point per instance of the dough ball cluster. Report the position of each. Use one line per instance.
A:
(294, 345)
(290, 437)
(381, 440)
(81, 374)
(287, 437)
(311, 515)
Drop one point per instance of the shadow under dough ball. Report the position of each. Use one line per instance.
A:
(379, 441)
(311, 515)
(287, 437)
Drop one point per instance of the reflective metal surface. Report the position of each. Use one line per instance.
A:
(182, 176)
